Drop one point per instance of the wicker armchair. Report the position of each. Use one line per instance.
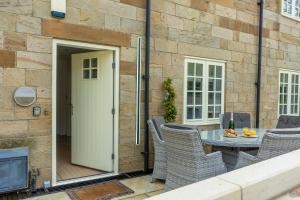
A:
(157, 122)
(160, 160)
(286, 121)
(241, 120)
(186, 161)
(272, 145)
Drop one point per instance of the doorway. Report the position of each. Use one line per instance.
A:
(84, 111)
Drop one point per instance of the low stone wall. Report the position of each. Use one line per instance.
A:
(264, 180)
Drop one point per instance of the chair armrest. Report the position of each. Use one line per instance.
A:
(214, 155)
(216, 163)
(245, 159)
(285, 130)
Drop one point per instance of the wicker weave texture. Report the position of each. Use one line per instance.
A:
(160, 160)
(186, 161)
(272, 145)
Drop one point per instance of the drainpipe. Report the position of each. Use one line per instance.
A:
(147, 77)
(258, 83)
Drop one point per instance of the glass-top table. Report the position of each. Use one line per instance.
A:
(217, 138)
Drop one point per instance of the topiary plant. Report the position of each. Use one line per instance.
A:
(169, 102)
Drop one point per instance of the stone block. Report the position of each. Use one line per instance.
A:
(27, 24)
(8, 21)
(1, 39)
(203, 52)
(128, 54)
(225, 11)
(245, 17)
(38, 78)
(165, 45)
(127, 68)
(188, 13)
(163, 7)
(40, 160)
(127, 109)
(41, 9)
(39, 44)
(172, 21)
(123, 10)
(128, 83)
(23, 7)
(38, 125)
(12, 129)
(13, 77)
(73, 15)
(247, 38)
(222, 33)
(161, 58)
(58, 29)
(6, 99)
(7, 58)
(200, 5)
(127, 97)
(132, 26)
(141, 14)
(14, 41)
(136, 3)
(92, 18)
(33, 60)
(112, 22)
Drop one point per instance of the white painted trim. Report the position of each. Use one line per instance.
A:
(205, 59)
(116, 50)
(88, 178)
(205, 62)
(290, 73)
(292, 16)
(138, 91)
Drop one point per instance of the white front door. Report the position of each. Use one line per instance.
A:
(92, 104)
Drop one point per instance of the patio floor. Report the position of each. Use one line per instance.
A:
(292, 195)
(142, 187)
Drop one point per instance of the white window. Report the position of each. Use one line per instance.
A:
(90, 68)
(203, 91)
(288, 102)
(291, 8)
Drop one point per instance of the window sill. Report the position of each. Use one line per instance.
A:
(290, 17)
(202, 123)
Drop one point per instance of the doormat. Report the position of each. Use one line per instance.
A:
(100, 191)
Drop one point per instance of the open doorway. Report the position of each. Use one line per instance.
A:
(84, 112)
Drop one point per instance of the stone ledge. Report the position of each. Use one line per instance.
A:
(264, 180)
(61, 30)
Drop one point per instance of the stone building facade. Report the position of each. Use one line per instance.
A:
(224, 30)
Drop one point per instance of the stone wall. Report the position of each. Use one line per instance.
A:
(225, 30)
(215, 29)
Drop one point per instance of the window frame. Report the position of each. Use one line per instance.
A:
(292, 15)
(289, 92)
(205, 62)
(90, 69)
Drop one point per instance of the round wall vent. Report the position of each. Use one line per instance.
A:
(25, 96)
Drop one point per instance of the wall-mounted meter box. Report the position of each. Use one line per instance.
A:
(58, 8)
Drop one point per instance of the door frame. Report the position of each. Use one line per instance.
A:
(116, 50)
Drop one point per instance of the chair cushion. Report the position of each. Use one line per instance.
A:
(286, 121)
(241, 120)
